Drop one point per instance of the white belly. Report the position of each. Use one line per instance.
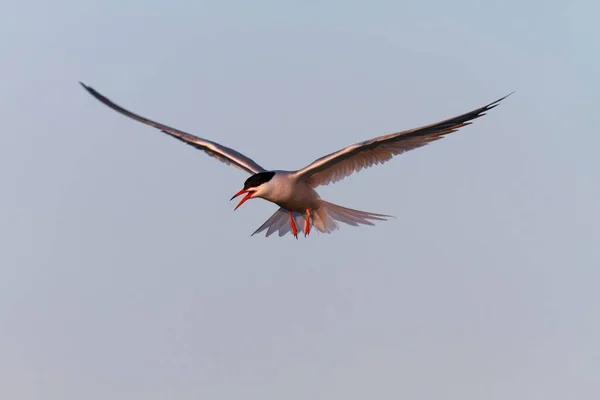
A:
(291, 194)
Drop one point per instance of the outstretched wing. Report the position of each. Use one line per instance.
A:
(338, 165)
(221, 153)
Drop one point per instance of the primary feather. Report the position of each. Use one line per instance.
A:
(340, 164)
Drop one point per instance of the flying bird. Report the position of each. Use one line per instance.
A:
(294, 191)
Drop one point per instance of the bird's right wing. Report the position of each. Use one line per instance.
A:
(340, 164)
(221, 153)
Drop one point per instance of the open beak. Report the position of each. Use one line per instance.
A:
(248, 196)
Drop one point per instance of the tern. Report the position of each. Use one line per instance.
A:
(294, 191)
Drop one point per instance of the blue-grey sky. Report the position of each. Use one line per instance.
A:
(124, 273)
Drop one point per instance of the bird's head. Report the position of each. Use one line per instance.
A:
(254, 186)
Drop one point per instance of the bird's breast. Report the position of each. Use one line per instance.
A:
(292, 194)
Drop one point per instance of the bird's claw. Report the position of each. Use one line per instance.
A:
(308, 222)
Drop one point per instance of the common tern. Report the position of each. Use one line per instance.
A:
(294, 191)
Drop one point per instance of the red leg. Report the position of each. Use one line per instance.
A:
(307, 224)
(293, 223)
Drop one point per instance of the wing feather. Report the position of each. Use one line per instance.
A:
(336, 166)
(221, 153)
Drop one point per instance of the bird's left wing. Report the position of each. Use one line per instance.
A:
(336, 166)
(221, 153)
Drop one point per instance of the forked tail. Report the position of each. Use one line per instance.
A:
(325, 219)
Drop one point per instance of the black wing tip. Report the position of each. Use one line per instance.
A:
(497, 102)
(89, 89)
(103, 99)
(481, 112)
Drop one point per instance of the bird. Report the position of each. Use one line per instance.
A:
(294, 190)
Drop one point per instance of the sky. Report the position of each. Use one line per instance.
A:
(125, 273)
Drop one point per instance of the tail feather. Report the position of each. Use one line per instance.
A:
(328, 216)
(273, 223)
(280, 222)
(325, 219)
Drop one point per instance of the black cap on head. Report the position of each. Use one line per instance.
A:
(258, 179)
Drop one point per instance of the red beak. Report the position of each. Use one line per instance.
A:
(248, 196)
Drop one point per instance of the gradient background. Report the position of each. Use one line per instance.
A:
(124, 273)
